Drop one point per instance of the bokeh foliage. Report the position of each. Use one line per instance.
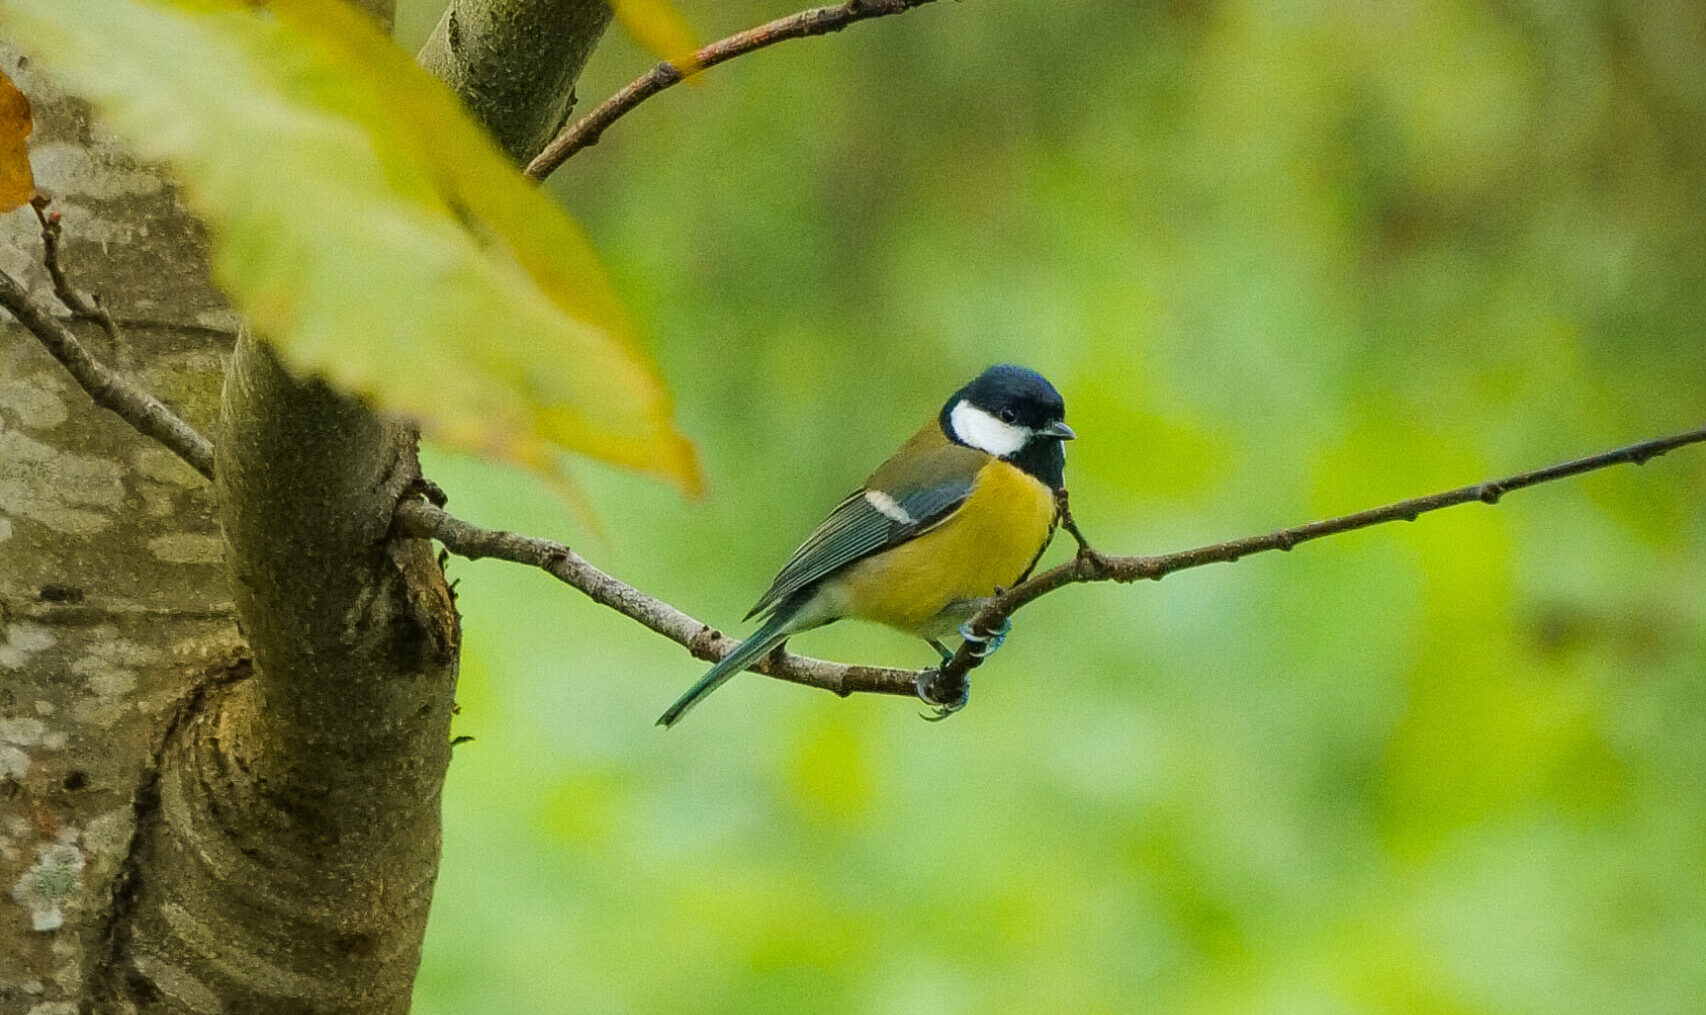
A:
(1284, 259)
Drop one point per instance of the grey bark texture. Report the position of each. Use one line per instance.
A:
(224, 710)
(113, 597)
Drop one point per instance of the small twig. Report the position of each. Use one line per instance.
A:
(422, 520)
(85, 307)
(1091, 566)
(585, 132)
(109, 389)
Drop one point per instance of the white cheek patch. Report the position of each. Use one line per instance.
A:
(888, 506)
(986, 433)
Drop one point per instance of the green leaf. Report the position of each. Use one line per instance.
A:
(367, 227)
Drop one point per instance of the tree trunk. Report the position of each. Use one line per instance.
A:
(192, 820)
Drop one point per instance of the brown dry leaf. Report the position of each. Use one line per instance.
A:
(17, 183)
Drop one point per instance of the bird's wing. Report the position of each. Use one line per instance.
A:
(887, 511)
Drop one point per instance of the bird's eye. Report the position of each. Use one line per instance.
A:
(1007, 416)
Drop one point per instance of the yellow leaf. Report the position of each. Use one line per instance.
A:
(367, 227)
(658, 26)
(17, 183)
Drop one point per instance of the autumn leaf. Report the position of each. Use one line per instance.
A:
(367, 227)
(17, 184)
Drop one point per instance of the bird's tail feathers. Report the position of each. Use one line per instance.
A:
(775, 631)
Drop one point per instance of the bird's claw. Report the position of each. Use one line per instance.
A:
(980, 646)
(984, 646)
(939, 709)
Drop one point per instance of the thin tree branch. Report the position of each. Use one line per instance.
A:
(423, 520)
(948, 684)
(585, 132)
(109, 389)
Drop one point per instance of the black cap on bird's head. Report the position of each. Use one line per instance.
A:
(1015, 414)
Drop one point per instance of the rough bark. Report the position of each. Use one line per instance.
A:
(114, 604)
(287, 851)
(192, 821)
(287, 847)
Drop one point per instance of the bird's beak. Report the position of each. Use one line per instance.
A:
(1059, 430)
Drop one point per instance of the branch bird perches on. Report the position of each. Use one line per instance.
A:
(418, 518)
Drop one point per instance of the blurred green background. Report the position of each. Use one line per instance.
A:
(1284, 260)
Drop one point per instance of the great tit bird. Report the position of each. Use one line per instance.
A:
(963, 509)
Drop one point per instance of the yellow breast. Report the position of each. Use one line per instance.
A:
(930, 584)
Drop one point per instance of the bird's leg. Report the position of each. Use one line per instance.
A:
(946, 652)
(983, 646)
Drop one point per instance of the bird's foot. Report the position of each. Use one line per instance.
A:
(930, 694)
(984, 646)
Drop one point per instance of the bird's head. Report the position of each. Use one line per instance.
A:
(1004, 410)
(1014, 414)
